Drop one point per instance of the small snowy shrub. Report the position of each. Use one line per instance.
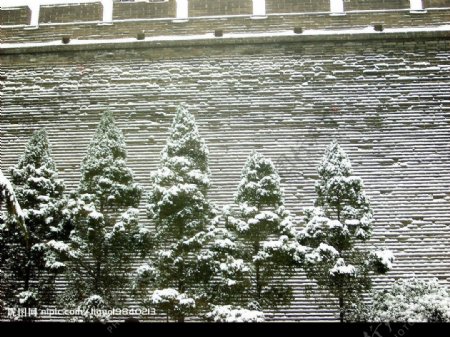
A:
(412, 300)
(94, 309)
(230, 314)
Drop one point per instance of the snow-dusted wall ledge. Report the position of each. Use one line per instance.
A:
(308, 36)
(237, 24)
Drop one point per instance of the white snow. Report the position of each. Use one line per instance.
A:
(352, 222)
(234, 265)
(210, 36)
(54, 265)
(324, 251)
(8, 194)
(385, 257)
(263, 216)
(58, 246)
(144, 269)
(230, 314)
(199, 176)
(412, 300)
(170, 295)
(340, 268)
(26, 296)
(224, 244)
(95, 215)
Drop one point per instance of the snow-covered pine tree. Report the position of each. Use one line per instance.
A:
(181, 212)
(267, 236)
(221, 261)
(8, 197)
(341, 219)
(28, 273)
(106, 235)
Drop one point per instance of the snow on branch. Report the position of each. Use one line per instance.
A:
(230, 314)
(8, 196)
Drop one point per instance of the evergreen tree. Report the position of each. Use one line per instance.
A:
(28, 273)
(221, 262)
(266, 235)
(8, 197)
(105, 233)
(341, 219)
(182, 214)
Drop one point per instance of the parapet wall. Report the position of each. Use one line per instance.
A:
(293, 6)
(15, 16)
(144, 10)
(129, 29)
(197, 8)
(219, 7)
(71, 13)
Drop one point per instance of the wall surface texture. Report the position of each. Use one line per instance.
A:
(386, 102)
(384, 96)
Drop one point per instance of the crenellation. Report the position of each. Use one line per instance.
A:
(144, 10)
(71, 13)
(15, 16)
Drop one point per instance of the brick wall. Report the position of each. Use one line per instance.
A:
(436, 3)
(71, 13)
(220, 7)
(295, 6)
(352, 5)
(386, 102)
(142, 10)
(165, 9)
(15, 16)
(237, 24)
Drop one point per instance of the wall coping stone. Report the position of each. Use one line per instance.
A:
(204, 40)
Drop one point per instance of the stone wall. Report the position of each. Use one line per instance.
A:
(14, 16)
(167, 9)
(386, 102)
(436, 3)
(294, 6)
(220, 7)
(144, 10)
(71, 13)
(229, 25)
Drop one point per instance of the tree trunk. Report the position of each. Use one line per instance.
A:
(258, 273)
(341, 309)
(258, 285)
(98, 270)
(27, 268)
